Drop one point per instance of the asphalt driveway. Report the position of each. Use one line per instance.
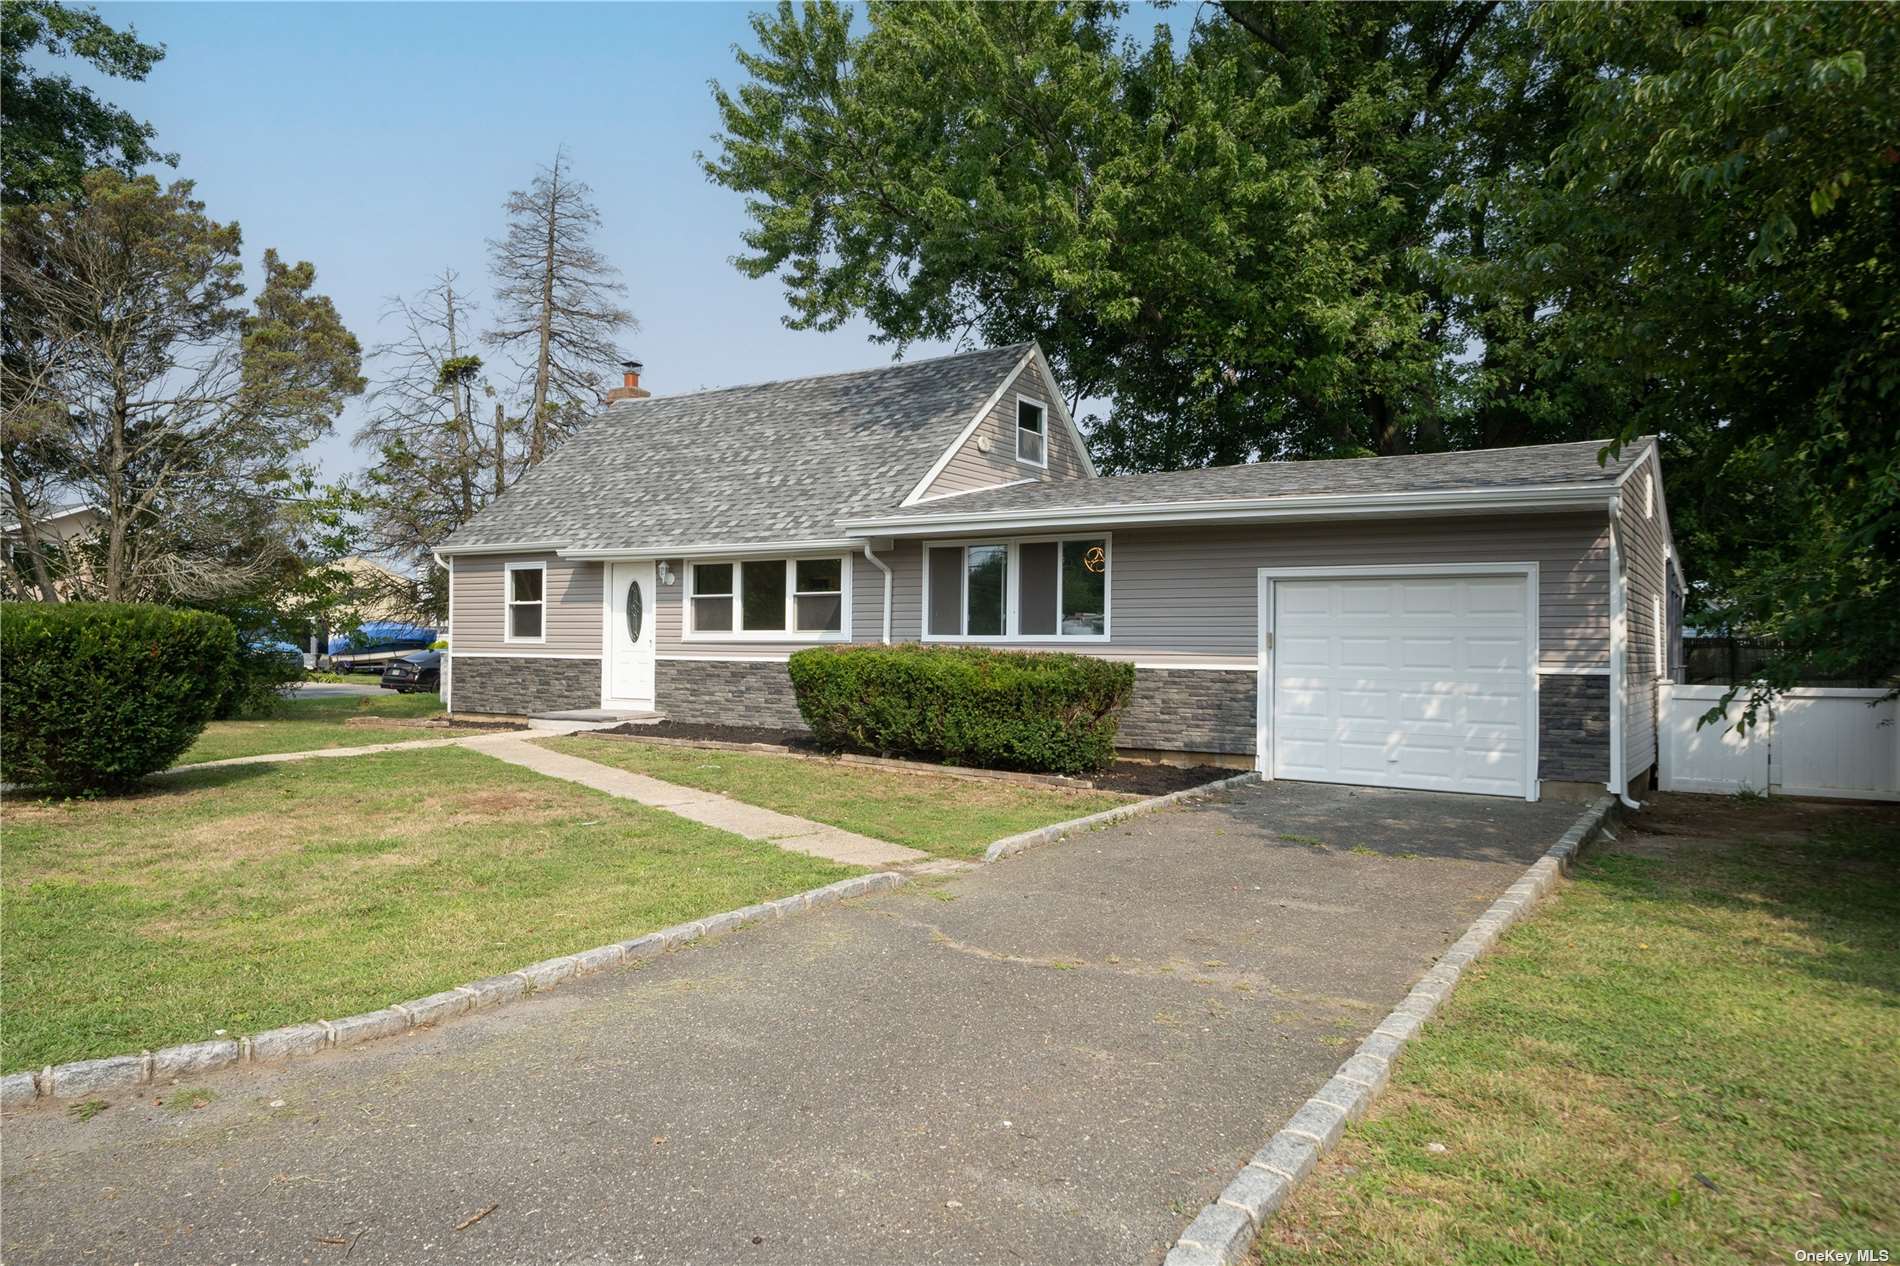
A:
(1057, 1058)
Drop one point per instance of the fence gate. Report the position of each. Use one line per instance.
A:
(1814, 742)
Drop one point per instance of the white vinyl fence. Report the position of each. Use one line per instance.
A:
(1812, 742)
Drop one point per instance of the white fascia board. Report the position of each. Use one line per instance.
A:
(754, 549)
(1653, 460)
(1324, 506)
(511, 547)
(1062, 409)
(943, 459)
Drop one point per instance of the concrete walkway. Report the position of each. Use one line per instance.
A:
(271, 758)
(800, 835)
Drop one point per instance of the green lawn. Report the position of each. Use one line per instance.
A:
(256, 895)
(950, 817)
(304, 725)
(1693, 1055)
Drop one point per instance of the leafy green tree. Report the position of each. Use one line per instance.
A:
(1729, 201)
(1249, 244)
(162, 400)
(56, 130)
(1327, 229)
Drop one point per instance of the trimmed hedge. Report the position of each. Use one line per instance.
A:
(1048, 713)
(95, 695)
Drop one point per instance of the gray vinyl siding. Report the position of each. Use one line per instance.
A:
(1189, 595)
(1646, 568)
(972, 468)
(477, 612)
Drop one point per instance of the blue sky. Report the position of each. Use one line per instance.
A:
(378, 141)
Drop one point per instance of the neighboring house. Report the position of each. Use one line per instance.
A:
(1481, 621)
(57, 529)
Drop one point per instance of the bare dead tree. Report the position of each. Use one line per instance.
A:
(560, 302)
(436, 462)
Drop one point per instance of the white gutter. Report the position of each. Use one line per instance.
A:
(768, 549)
(448, 656)
(1322, 506)
(511, 547)
(878, 563)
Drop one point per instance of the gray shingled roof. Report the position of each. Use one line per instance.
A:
(1472, 471)
(780, 461)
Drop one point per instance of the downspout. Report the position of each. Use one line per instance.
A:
(875, 562)
(448, 656)
(1619, 656)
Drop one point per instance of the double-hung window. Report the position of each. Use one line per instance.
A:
(773, 599)
(1032, 432)
(527, 602)
(1030, 590)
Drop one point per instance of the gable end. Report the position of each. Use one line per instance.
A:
(984, 454)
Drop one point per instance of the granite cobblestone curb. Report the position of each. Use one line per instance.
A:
(1010, 845)
(1224, 1232)
(129, 1072)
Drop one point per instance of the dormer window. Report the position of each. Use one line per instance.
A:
(1032, 432)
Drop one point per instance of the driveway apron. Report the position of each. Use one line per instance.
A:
(1056, 1058)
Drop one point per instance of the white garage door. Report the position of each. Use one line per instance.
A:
(1419, 681)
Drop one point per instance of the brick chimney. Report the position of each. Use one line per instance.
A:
(631, 388)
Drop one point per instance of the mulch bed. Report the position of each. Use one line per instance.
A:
(1130, 777)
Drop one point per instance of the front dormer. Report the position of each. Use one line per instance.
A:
(1022, 433)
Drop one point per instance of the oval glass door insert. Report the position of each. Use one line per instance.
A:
(635, 612)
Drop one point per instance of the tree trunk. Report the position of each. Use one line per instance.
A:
(501, 450)
(30, 535)
(462, 399)
(537, 440)
(116, 499)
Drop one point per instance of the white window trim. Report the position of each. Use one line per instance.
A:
(1016, 424)
(1011, 635)
(690, 633)
(508, 604)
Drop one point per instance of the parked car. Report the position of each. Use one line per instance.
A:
(376, 645)
(420, 671)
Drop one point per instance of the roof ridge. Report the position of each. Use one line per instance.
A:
(836, 373)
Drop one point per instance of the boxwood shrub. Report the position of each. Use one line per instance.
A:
(964, 705)
(95, 695)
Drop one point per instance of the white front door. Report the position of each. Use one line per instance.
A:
(629, 635)
(1403, 681)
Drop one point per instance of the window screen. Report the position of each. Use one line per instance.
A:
(1036, 600)
(946, 592)
(818, 596)
(712, 597)
(525, 602)
(1084, 588)
(1030, 438)
(986, 582)
(762, 601)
